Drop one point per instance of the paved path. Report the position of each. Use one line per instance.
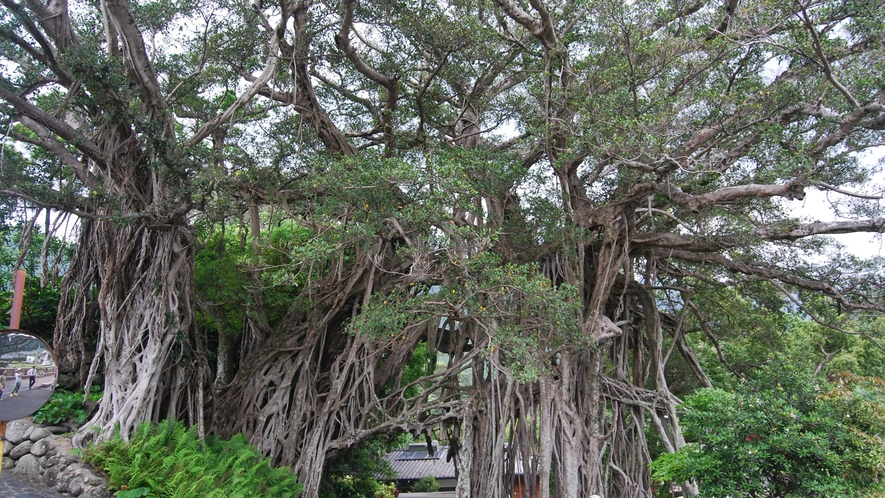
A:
(27, 402)
(14, 486)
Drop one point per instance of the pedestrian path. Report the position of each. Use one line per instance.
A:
(14, 486)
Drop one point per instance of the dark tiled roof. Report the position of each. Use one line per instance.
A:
(415, 462)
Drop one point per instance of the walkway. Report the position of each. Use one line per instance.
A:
(14, 486)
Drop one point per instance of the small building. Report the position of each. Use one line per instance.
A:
(416, 462)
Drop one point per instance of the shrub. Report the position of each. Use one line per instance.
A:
(169, 460)
(95, 394)
(62, 407)
(426, 484)
(783, 435)
(355, 472)
(386, 491)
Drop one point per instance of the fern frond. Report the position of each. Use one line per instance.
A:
(171, 460)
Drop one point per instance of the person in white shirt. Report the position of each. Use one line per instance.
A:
(32, 377)
(18, 382)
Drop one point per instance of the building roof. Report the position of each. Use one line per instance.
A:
(416, 462)
(435, 494)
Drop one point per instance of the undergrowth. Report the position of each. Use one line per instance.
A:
(64, 406)
(166, 460)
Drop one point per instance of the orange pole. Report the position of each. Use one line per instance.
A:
(2, 440)
(18, 295)
(18, 284)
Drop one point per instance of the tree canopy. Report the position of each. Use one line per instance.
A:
(576, 204)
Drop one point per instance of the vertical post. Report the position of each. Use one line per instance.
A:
(2, 442)
(18, 284)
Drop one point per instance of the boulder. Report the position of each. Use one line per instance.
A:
(59, 445)
(21, 450)
(40, 448)
(16, 430)
(97, 492)
(50, 477)
(41, 454)
(75, 486)
(68, 382)
(39, 433)
(28, 467)
(93, 479)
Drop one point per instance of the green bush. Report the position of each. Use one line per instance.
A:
(386, 491)
(63, 406)
(95, 394)
(426, 484)
(355, 472)
(168, 460)
(783, 435)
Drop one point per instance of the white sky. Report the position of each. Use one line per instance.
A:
(816, 206)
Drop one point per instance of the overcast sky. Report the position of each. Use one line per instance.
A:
(817, 207)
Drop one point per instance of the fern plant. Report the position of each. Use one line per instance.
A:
(168, 460)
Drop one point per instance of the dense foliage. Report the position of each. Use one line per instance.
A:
(62, 407)
(168, 460)
(783, 434)
(356, 472)
(426, 484)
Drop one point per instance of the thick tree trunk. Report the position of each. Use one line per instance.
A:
(147, 341)
(576, 398)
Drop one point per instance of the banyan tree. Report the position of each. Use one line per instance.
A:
(546, 195)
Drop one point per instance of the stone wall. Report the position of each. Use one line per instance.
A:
(44, 455)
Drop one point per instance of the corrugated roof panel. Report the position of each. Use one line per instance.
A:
(414, 462)
(407, 466)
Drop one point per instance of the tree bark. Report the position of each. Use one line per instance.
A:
(147, 343)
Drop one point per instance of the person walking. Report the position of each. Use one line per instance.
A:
(18, 382)
(32, 377)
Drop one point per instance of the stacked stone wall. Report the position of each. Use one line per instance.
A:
(45, 455)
